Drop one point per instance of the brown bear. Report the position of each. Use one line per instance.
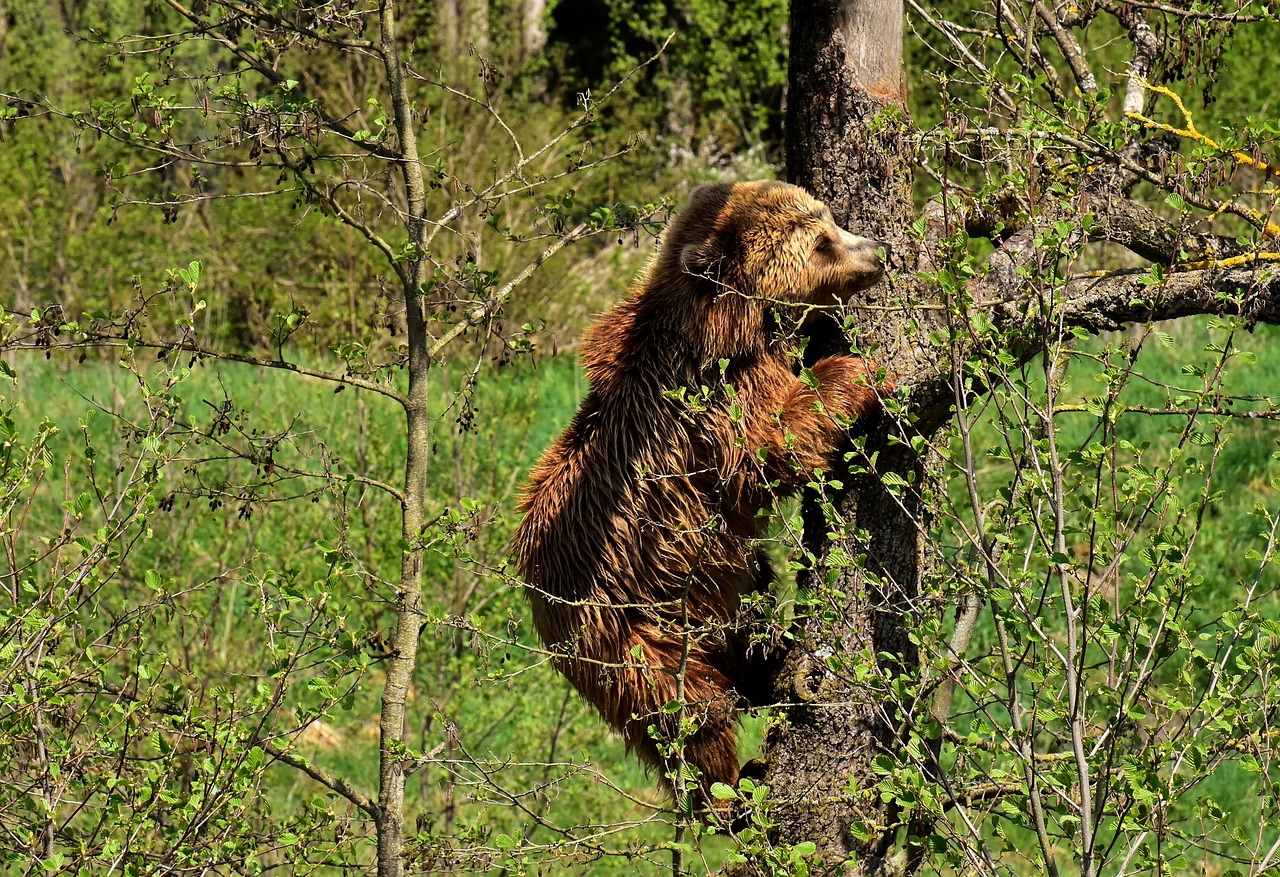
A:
(640, 528)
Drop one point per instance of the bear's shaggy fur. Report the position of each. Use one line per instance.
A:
(637, 540)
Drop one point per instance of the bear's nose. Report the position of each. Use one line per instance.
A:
(858, 244)
(870, 246)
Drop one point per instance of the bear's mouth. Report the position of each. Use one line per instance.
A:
(855, 281)
(871, 278)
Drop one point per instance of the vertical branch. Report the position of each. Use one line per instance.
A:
(1026, 751)
(404, 641)
(1073, 667)
(1071, 50)
(1145, 47)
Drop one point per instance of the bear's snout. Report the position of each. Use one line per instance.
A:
(860, 246)
(862, 254)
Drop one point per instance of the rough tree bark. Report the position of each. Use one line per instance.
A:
(845, 139)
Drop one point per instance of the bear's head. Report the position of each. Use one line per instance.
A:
(771, 242)
(736, 257)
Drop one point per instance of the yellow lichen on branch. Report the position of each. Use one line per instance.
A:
(1230, 262)
(1190, 132)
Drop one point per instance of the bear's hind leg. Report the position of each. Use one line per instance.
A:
(649, 685)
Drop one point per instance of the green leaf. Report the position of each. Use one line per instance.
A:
(883, 765)
(723, 792)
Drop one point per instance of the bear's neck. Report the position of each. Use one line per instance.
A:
(667, 336)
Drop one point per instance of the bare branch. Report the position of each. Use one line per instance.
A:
(296, 26)
(498, 188)
(1183, 12)
(1071, 50)
(951, 32)
(279, 79)
(1143, 231)
(325, 778)
(106, 340)
(484, 311)
(1108, 302)
(1012, 33)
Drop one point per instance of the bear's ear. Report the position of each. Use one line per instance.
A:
(707, 234)
(703, 259)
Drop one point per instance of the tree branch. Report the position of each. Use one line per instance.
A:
(1245, 286)
(1141, 230)
(104, 340)
(1071, 50)
(279, 79)
(296, 26)
(1108, 302)
(1030, 49)
(325, 778)
(483, 312)
(1145, 48)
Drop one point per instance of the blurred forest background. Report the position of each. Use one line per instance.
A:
(203, 473)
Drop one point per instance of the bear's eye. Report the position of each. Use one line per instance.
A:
(822, 244)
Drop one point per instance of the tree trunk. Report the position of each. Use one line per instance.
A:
(846, 142)
(477, 25)
(449, 30)
(845, 68)
(408, 626)
(462, 27)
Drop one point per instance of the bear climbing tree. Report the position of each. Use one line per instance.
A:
(1043, 169)
(642, 523)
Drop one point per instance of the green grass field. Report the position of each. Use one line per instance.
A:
(491, 710)
(496, 719)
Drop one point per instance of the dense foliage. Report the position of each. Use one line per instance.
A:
(209, 354)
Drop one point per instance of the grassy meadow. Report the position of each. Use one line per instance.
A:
(494, 718)
(485, 703)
